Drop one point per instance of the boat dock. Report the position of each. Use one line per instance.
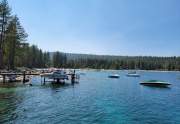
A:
(60, 77)
(24, 74)
(57, 76)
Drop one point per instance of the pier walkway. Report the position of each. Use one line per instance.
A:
(24, 74)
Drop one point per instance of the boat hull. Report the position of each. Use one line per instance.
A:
(113, 76)
(133, 75)
(155, 84)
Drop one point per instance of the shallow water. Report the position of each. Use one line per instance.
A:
(95, 100)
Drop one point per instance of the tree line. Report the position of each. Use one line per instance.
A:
(16, 52)
(125, 62)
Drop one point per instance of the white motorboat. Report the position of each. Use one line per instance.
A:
(114, 76)
(133, 74)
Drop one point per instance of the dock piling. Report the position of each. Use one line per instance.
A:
(4, 78)
(24, 77)
(44, 80)
(73, 76)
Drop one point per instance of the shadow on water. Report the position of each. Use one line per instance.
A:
(157, 87)
(56, 86)
(13, 85)
(8, 85)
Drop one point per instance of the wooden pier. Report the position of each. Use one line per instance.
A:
(56, 77)
(24, 74)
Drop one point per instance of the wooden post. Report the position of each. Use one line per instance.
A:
(58, 80)
(73, 76)
(24, 77)
(41, 79)
(44, 81)
(4, 78)
(63, 81)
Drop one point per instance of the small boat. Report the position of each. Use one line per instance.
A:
(133, 74)
(58, 74)
(1, 78)
(20, 78)
(114, 76)
(11, 78)
(156, 83)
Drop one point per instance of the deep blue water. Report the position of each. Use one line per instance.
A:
(96, 99)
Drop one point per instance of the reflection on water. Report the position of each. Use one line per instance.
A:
(96, 99)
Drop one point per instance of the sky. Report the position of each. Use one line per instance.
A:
(105, 27)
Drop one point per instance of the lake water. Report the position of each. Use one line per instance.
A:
(96, 99)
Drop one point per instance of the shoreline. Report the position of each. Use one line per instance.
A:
(129, 70)
(85, 69)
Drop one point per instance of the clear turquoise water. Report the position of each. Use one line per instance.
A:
(95, 100)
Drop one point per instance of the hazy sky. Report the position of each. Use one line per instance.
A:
(115, 27)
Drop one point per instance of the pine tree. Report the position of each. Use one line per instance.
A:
(15, 37)
(5, 14)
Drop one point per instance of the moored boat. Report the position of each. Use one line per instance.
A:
(11, 78)
(156, 83)
(114, 76)
(133, 74)
(1, 78)
(58, 74)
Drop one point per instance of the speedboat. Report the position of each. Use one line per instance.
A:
(1, 78)
(11, 78)
(114, 76)
(58, 74)
(156, 83)
(133, 74)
